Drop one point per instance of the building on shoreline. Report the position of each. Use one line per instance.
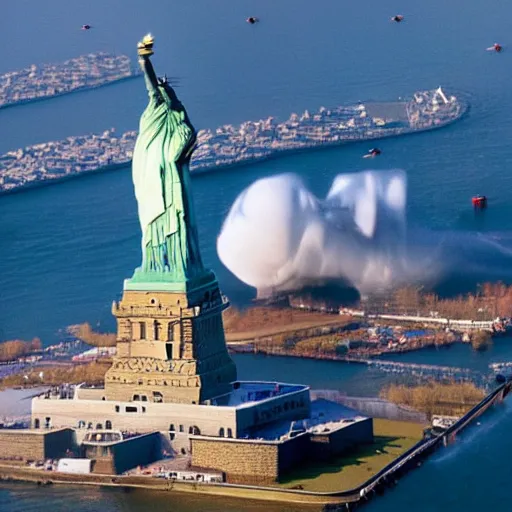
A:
(172, 387)
(230, 145)
(49, 80)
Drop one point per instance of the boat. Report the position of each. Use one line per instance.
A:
(479, 202)
(373, 153)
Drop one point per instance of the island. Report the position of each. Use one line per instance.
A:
(229, 145)
(49, 80)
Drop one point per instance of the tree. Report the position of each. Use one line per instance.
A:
(481, 340)
(11, 350)
(85, 333)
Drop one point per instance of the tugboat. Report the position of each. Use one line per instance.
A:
(495, 48)
(479, 202)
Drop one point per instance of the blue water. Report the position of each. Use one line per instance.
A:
(65, 249)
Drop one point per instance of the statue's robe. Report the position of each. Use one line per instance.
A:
(162, 187)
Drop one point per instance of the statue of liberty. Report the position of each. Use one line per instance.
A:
(170, 251)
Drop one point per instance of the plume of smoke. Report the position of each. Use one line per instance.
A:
(279, 236)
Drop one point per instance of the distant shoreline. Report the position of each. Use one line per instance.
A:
(45, 183)
(81, 88)
(279, 153)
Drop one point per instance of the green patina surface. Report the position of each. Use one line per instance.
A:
(170, 250)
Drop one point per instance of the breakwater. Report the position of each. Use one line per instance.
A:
(326, 501)
(229, 145)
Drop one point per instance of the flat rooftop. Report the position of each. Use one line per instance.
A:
(325, 417)
(243, 394)
(248, 393)
(391, 111)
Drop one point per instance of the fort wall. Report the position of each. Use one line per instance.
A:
(35, 445)
(241, 460)
(254, 462)
(333, 443)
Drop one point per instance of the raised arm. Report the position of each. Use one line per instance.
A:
(150, 78)
(145, 50)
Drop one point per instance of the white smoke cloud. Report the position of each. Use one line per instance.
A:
(279, 236)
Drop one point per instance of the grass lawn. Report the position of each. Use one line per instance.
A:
(391, 439)
(273, 330)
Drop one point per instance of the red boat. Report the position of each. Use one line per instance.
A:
(479, 202)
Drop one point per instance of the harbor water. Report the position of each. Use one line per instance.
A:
(65, 249)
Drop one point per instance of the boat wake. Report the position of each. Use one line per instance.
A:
(278, 236)
(481, 429)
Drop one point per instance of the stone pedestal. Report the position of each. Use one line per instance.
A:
(171, 346)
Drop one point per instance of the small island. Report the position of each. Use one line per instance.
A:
(168, 411)
(229, 145)
(49, 80)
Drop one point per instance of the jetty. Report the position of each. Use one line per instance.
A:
(229, 145)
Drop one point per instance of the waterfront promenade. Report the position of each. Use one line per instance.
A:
(49, 80)
(230, 145)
